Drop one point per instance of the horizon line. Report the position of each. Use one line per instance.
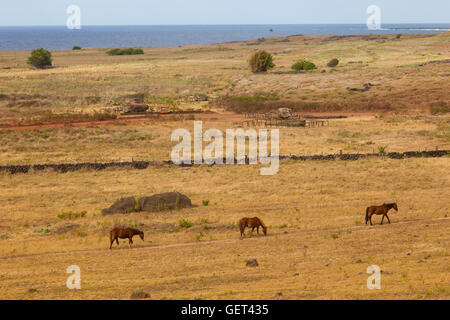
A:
(233, 24)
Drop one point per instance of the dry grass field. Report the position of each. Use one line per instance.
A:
(317, 246)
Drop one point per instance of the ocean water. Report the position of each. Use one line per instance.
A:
(55, 38)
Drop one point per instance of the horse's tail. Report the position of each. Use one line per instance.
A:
(367, 214)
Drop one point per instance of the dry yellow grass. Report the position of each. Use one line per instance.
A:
(151, 140)
(317, 246)
(90, 79)
(315, 214)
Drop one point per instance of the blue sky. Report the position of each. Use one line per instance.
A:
(182, 12)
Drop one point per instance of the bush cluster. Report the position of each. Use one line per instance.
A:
(303, 65)
(261, 61)
(40, 58)
(126, 51)
(333, 63)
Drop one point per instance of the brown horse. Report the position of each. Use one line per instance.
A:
(251, 223)
(380, 210)
(124, 233)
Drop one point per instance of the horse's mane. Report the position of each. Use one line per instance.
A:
(262, 223)
(390, 205)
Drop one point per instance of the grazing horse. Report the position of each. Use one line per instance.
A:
(124, 233)
(380, 210)
(251, 223)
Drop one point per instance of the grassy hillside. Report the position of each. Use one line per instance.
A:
(89, 79)
(317, 245)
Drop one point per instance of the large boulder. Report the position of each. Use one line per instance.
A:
(164, 201)
(284, 113)
(123, 205)
(135, 108)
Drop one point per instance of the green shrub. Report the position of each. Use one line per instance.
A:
(232, 225)
(333, 63)
(126, 51)
(440, 107)
(184, 223)
(199, 236)
(40, 58)
(76, 48)
(80, 233)
(205, 202)
(382, 149)
(261, 61)
(335, 235)
(71, 215)
(42, 231)
(303, 65)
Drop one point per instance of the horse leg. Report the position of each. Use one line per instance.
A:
(370, 219)
(257, 229)
(117, 240)
(382, 219)
(388, 218)
(110, 245)
(130, 241)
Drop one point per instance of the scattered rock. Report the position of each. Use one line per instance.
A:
(444, 61)
(32, 290)
(252, 263)
(66, 227)
(279, 294)
(139, 295)
(296, 274)
(137, 108)
(123, 205)
(164, 201)
(366, 87)
(284, 113)
(201, 97)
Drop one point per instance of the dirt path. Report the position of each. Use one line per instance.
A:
(121, 120)
(235, 240)
(156, 118)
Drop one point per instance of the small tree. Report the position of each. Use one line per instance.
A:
(40, 58)
(261, 61)
(333, 63)
(303, 65)
(76, 48)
